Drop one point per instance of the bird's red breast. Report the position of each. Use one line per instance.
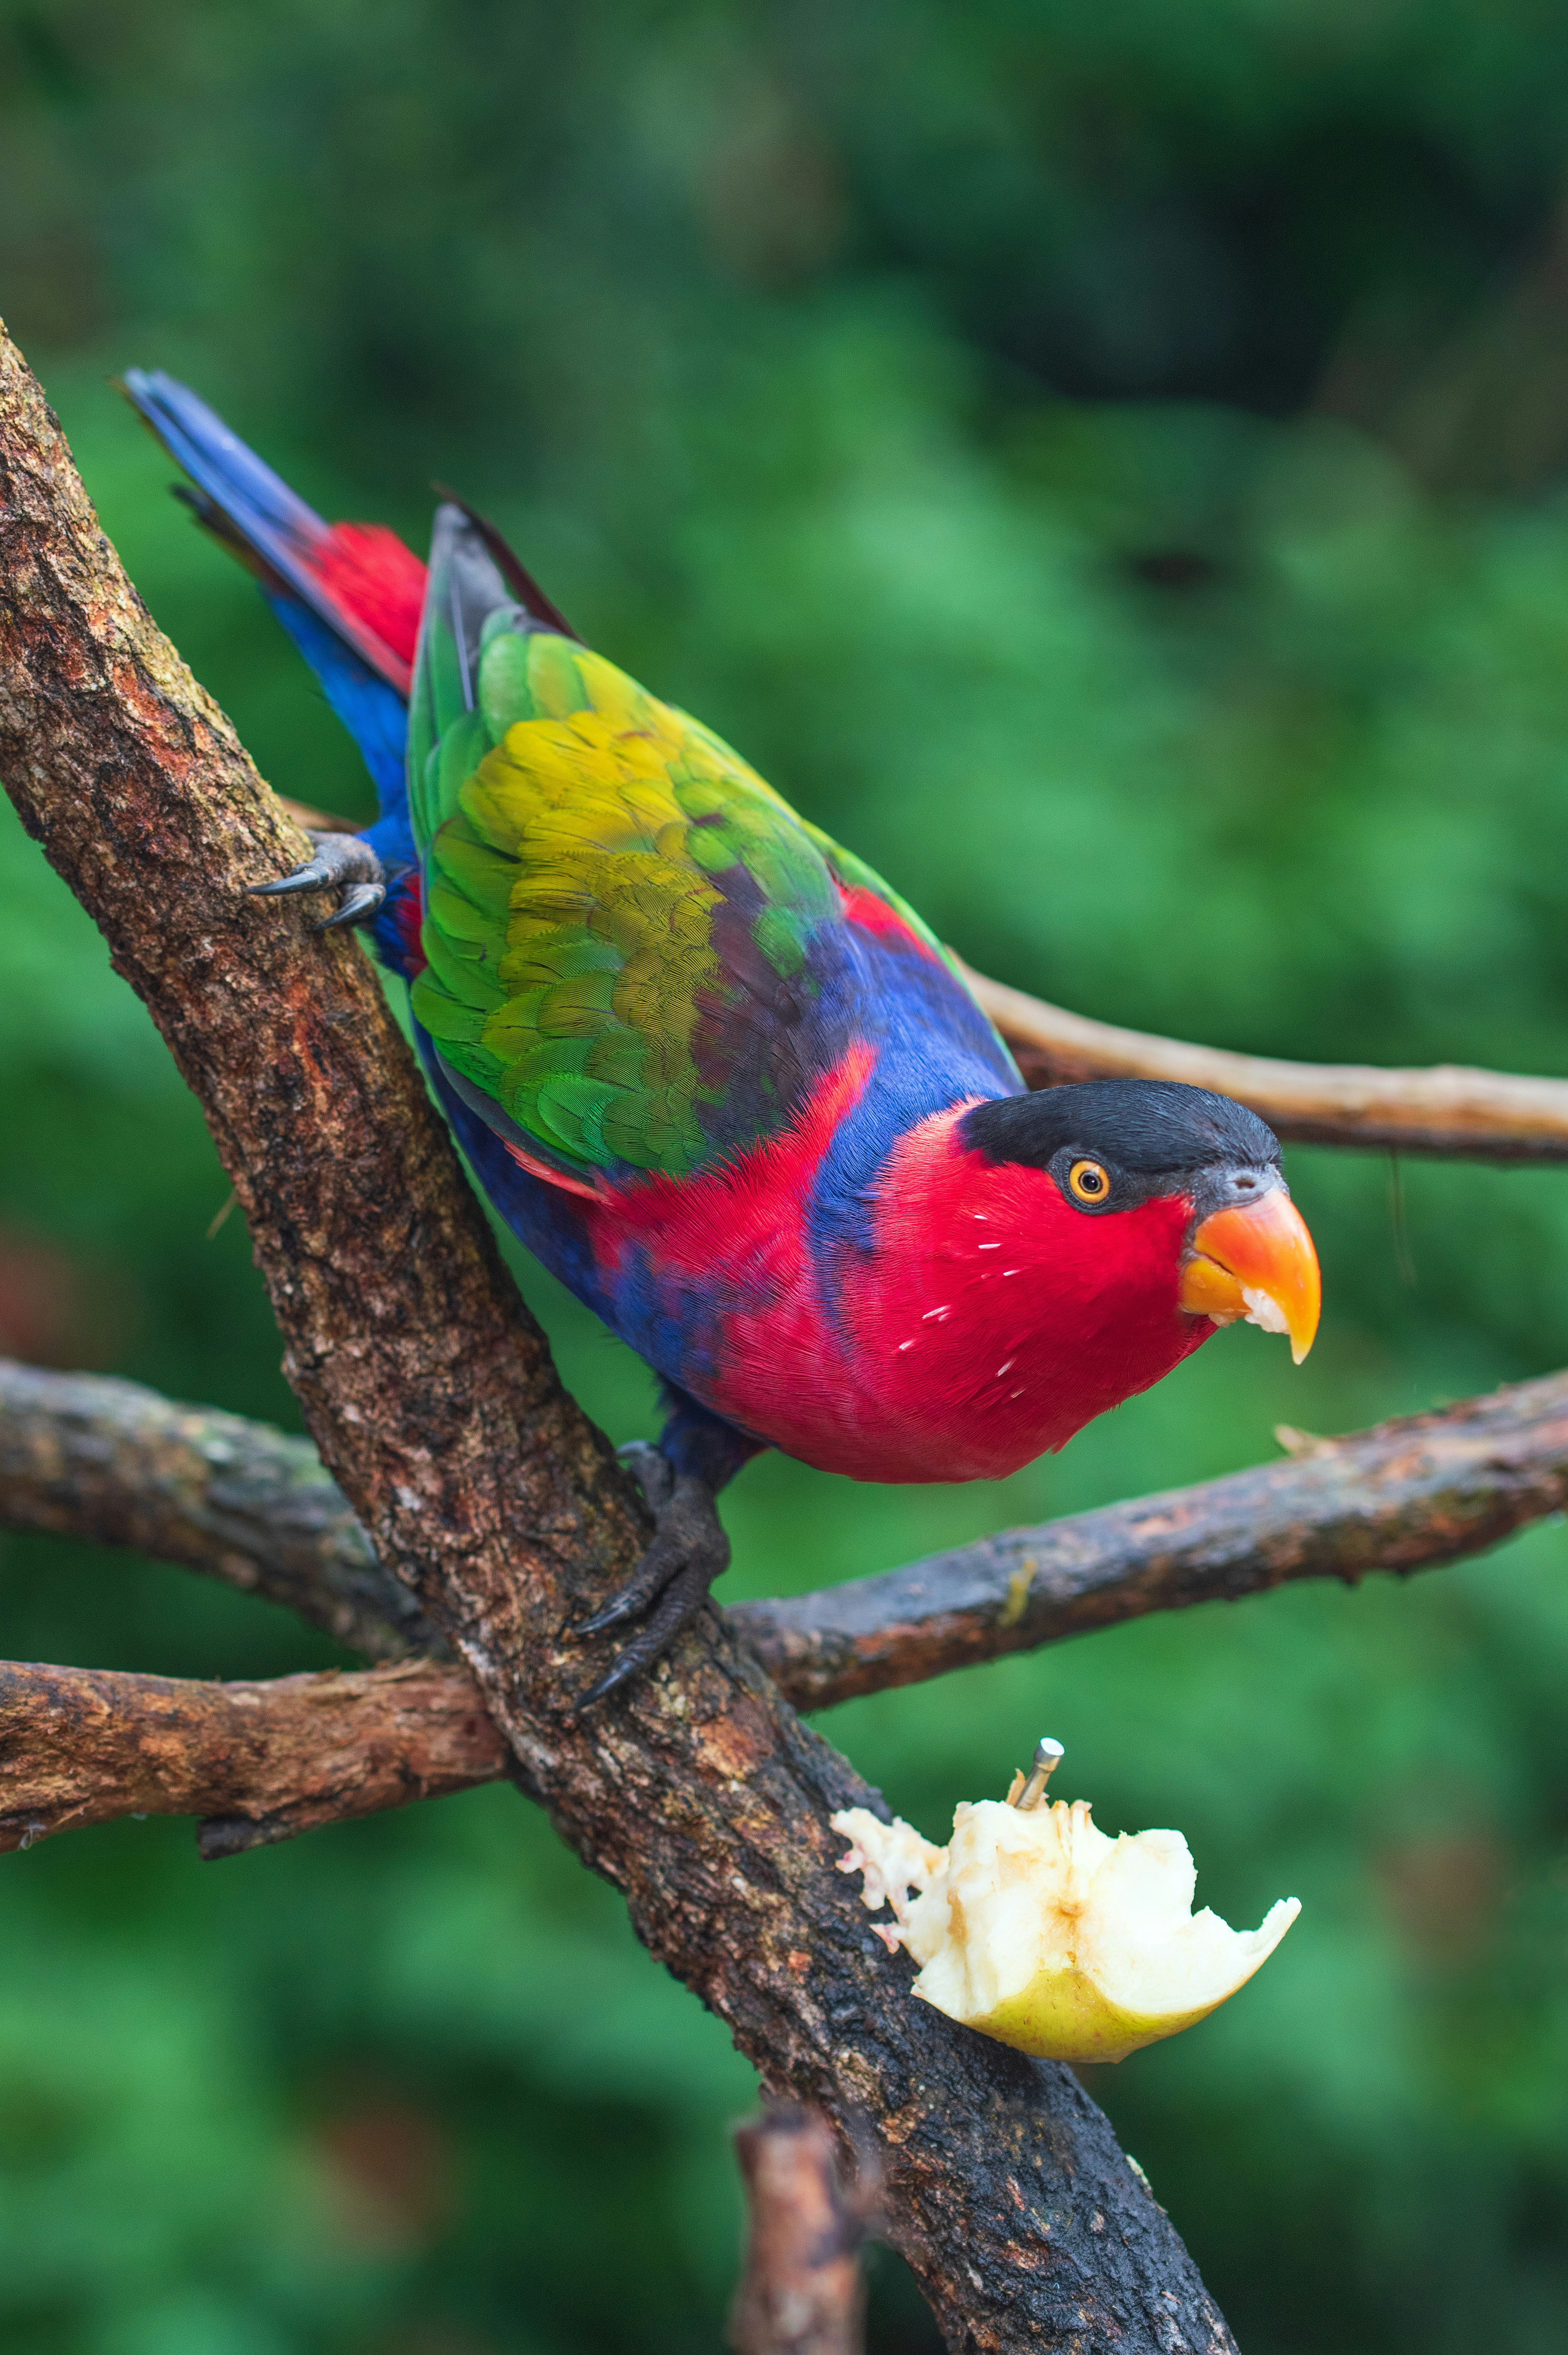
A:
(987, 1322)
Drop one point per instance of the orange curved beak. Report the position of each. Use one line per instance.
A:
(1257, 1262)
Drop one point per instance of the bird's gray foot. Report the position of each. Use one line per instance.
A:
(344, 863)
(670, 1584)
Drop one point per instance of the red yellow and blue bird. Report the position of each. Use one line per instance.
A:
(715, 1074)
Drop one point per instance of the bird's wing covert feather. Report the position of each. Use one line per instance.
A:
(637, 953)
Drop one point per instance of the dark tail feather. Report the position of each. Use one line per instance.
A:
(520, 582)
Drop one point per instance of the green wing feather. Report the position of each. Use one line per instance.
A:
(619, 911)
(573, 828)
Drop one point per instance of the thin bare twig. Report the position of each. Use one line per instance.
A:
(1449, 1110)
(1444, 1109)
(802, 2292)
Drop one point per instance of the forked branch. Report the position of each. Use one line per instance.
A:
(1406, 1496)
(1410, 1495)
(432, 1401)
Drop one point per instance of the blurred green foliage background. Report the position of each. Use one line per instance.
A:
(1111, 465)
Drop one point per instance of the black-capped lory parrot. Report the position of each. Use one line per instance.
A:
(716, 1074)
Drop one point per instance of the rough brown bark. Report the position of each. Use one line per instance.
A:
(801, 2292)
(258, 1762)
(431, 1399)
(100, 1458)
(1483, 1116)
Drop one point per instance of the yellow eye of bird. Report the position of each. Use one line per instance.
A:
(1088, 1181)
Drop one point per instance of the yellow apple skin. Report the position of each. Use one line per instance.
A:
(1062, 2016)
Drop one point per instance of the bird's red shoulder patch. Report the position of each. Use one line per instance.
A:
(872, 914)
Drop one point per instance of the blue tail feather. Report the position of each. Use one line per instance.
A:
(374, 713)
(273, 519)
(254, 511)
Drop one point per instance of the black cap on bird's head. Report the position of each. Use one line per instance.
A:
(1112, 1145)
(1143, 1127)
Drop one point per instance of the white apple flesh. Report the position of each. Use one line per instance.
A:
(1034, 1927)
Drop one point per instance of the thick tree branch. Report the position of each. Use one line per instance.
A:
(111, 1460)
(1410, 1495)
(258, 1762)
(431, 1400)
(1483, 1116)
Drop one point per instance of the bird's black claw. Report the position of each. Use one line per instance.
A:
(689, 1551)
(681, 1600)
(343, 862)
(358, 905)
